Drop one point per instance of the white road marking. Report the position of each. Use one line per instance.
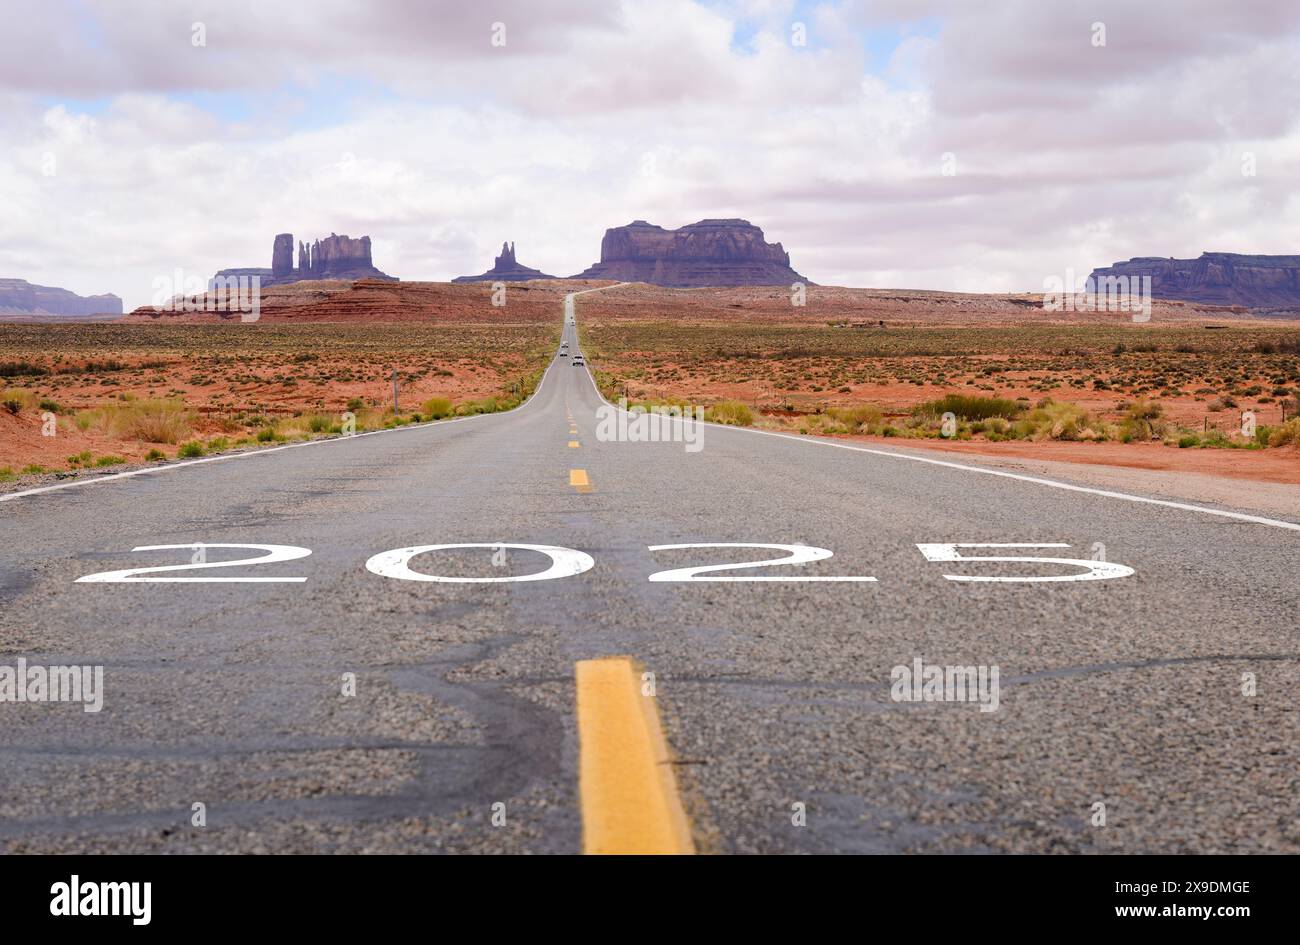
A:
(1037, 480)
(565, 562)
(273, 553)
(1092, 570)
(797, 554)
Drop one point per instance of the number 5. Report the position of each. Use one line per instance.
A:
(1093, 570)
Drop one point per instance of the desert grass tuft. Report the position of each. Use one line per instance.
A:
(731, 412)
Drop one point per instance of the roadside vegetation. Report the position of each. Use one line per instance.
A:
(1185, 385)
(184, 391)
(995, 420)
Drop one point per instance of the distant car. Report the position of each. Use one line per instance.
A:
(578, 362)
(563, 353)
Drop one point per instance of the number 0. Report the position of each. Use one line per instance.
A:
(397, 564)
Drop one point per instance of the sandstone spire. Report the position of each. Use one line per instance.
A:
(507, 269)
(282, 255)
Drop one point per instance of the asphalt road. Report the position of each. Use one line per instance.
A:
(776, 697)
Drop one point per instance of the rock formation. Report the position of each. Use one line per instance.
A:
(506, 269)
(282, 255)
(1217, 279)
(19, 297)
(339, 254)
(708, 253)
(335, 257)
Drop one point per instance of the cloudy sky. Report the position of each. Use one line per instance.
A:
(947, 144)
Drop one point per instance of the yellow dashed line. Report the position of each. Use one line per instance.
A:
(625, 774)
(578, 479)
(574, 444)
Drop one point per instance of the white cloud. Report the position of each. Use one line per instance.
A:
(400, 120)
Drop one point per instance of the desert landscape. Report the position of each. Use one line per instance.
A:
(1088, 387)
(155, 386)
(1081, 387)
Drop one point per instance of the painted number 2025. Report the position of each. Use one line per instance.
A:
(566, 562)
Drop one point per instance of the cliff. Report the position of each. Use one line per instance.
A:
(1217, 278)
(506, 269)
(20, 297)
(708, 253)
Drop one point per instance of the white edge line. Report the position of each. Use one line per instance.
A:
(815, 441)
(9, 496)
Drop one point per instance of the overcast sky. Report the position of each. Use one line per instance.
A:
(128, 148)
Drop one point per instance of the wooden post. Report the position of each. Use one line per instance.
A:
(396, 409)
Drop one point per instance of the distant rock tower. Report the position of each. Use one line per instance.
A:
(282, 255)
(507, 269)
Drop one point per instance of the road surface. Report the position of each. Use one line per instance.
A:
(1150, 709)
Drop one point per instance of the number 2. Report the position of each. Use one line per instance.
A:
(798, 554)
(273, 553)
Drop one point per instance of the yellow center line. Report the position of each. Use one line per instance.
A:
(626, 783)
(578, 479)
(574, 444)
